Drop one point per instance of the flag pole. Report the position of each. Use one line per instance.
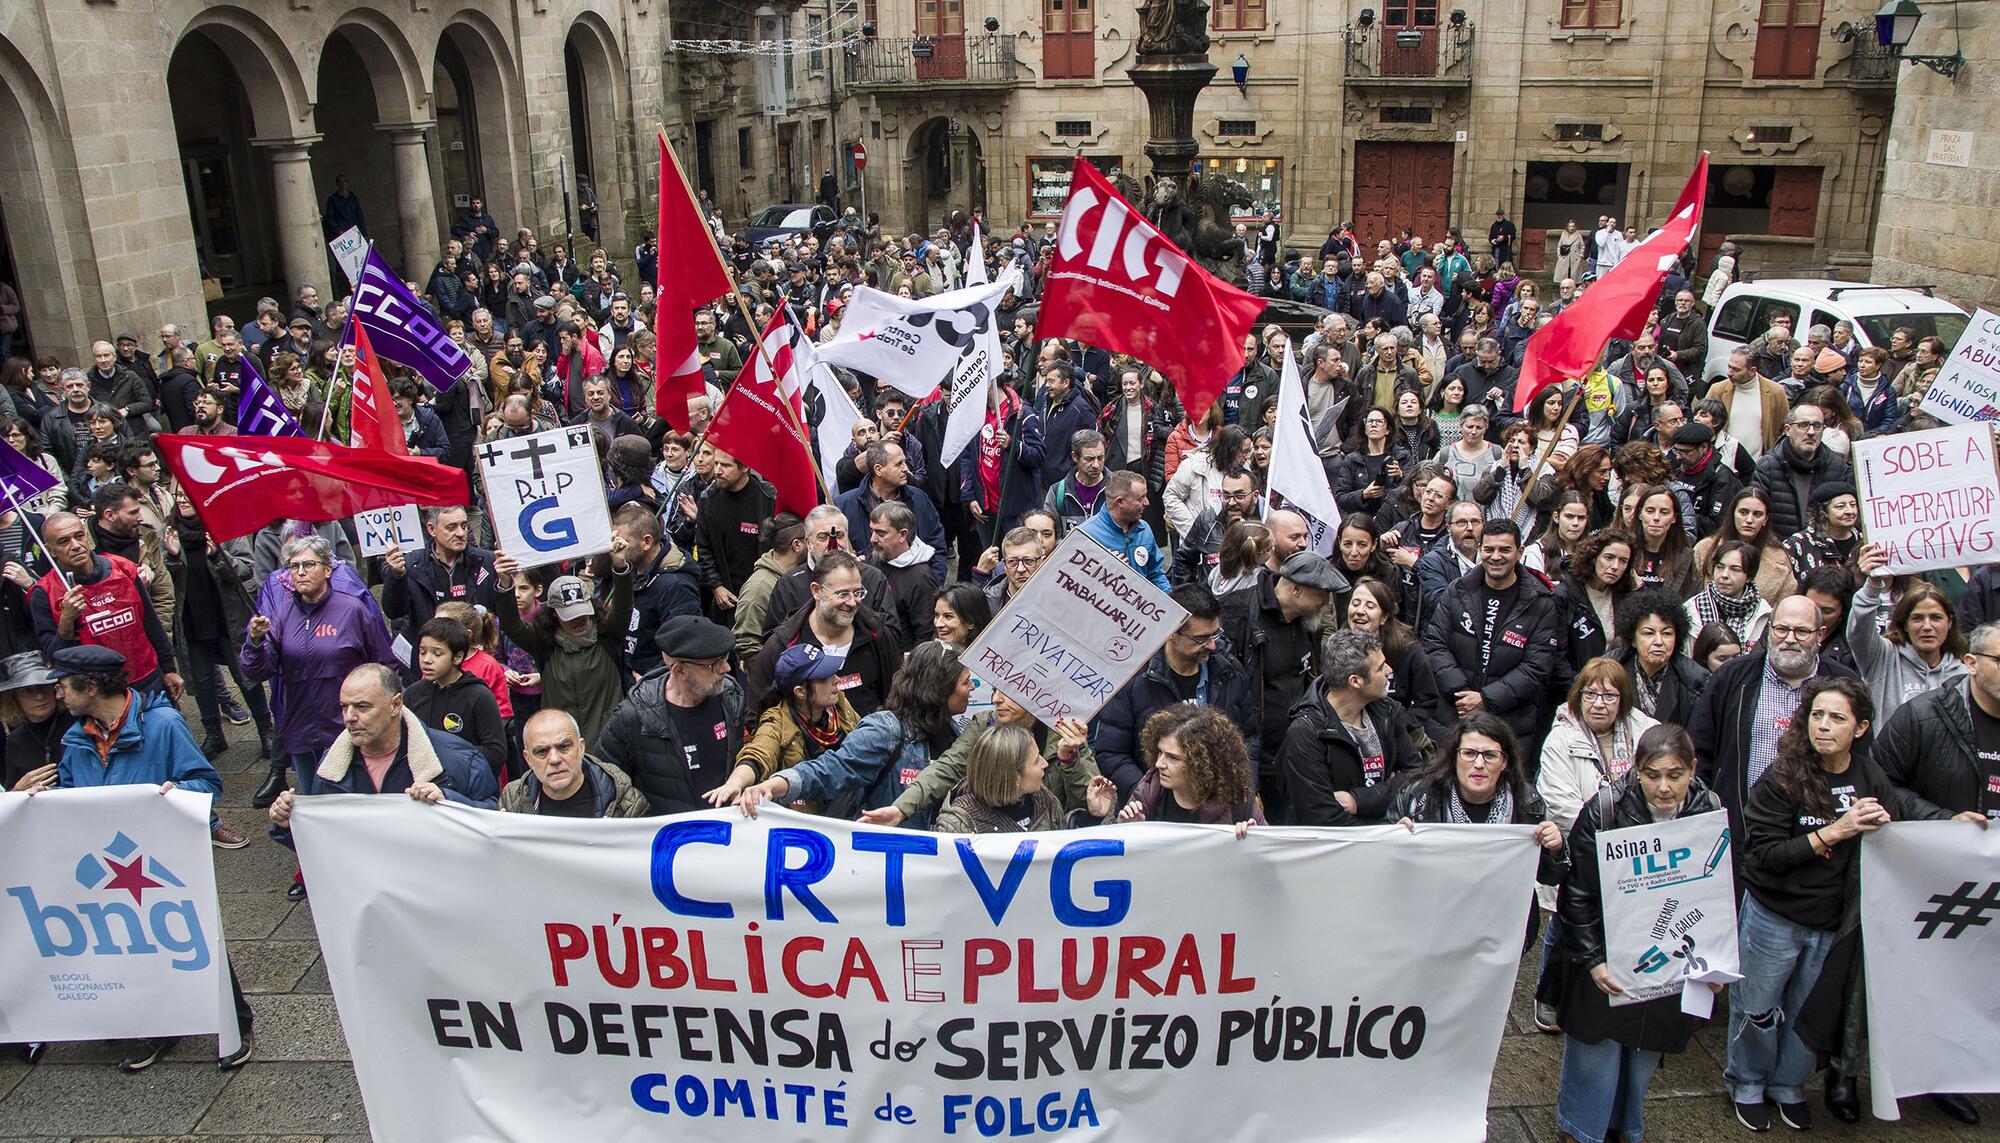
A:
(333, 382)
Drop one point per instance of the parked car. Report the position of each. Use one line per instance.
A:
(1747, 309)
(790, 220)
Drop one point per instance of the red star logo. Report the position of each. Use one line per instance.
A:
(131, 878)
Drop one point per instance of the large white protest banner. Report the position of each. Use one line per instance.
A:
(109, 928)
(710, 978)
(1930, 897)
(914, 344)
(379, 529)
(1669, 908)
(545, 495)
(1086, 623)
(350, 252)
(1930, 499)
(1968, 387)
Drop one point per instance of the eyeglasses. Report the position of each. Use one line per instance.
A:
(1207, 640)
(1792, 634)
(851, 595)
(1601, 698)
(304, 565)
(1467, 754)
(1021, 563)
(1809, 426)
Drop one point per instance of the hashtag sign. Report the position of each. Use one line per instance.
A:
(1959, 910)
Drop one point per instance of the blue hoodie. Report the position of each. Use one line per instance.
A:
(153, 746)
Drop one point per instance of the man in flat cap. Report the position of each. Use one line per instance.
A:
(678, 732)
(1269, 625)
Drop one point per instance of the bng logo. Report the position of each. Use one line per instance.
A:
(105, 923)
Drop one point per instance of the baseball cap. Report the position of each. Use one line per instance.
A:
(803, 663)
(568, 598)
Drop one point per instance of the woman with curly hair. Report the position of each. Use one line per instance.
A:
(1803, 825)
(1197, 770)
(1600, 576)
(1747, 520)
(1653, 640)
(1589, 472)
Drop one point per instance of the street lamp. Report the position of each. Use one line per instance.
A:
(1241, 71)
(1896, 24)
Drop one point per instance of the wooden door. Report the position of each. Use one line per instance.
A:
(1068, 39)
(1795, 201)
(1787, 39)
(942, 22)
(1398, 185)
(1409, 37)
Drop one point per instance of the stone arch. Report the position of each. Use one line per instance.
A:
(489, 72)
(280, 100)
(944, 169)
(400, 82)
(40, 227)
(595, 82)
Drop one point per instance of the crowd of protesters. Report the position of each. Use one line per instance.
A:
(1641, 583)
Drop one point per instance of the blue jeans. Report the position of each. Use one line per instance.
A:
(1604, 1090)
(1780, 962)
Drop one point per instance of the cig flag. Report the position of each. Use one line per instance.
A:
(691, 275)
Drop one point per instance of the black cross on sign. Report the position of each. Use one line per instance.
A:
(533, 453)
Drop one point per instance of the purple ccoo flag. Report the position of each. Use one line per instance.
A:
(21, 479)
(401, 329)
(260, 413)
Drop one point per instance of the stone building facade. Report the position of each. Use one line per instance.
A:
(1939, 225)
(148, 144)
(1398, 112)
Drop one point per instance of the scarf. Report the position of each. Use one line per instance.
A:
(1712, 606)
(1699, 467)
(1502, 812)
(571, 644)
(1647, 688)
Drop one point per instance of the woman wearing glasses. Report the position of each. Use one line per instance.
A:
(1478, 777)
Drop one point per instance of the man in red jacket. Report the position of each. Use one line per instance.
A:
(100, 600)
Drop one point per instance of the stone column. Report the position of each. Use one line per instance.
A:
(300, 240)
(416, 207)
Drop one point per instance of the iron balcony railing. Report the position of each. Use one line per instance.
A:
(1378, 53)
(981, 58)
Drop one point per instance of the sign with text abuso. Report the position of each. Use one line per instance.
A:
(1087, 622)
(1930, 499)
(545, 495)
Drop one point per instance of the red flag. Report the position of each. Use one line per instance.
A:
(371, 416)
(239, 484)
(1118, 283)
(691, 274)
(761, 421)
(1614, 306)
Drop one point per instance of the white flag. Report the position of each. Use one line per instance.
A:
(835, 430)
(1296, 473)
(913, 344)
(975, 271)
(972, 382)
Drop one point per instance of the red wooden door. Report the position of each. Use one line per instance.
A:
(942, 22)
(1068, 44)
(1787, 39)
(1398, 185)
(1409, 37)
(1795, 201)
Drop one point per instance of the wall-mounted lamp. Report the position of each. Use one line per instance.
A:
(992, 24)
(1241, 71)
(1367, 18)
(1896, 24)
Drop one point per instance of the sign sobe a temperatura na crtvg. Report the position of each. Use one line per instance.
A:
(546, 495)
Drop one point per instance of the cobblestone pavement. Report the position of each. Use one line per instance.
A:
(300, 1088)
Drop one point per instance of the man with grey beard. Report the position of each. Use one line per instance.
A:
(1751, 699)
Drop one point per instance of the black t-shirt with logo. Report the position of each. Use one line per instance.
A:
(1986, 742)
(704, 738)
(582, 804)
(1184, 686)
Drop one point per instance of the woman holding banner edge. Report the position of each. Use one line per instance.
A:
(1610, 1054)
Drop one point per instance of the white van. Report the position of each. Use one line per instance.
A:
(1748, 308)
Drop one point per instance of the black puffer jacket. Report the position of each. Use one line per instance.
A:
(1926, 749)
(1150, 691)
(640, 739)
(1587, 1014)
(1320, 758)
(1790, 511)
(1522, 663)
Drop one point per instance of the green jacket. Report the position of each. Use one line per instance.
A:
(751, 604)
(587, 681)
(1068, 781)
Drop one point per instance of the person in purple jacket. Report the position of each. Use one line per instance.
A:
(308, 634)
